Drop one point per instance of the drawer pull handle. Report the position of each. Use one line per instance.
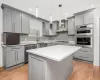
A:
(83, 57)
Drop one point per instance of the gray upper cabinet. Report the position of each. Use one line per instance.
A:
(16, 25)
(89, 18)
(84, 18)
(66, 25)
(25, 24)
(11, 20)
(15, 21)
(7, 20)
(45, 28)
(71, 26)
(79, 20)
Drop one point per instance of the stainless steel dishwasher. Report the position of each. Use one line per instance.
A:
(27, 47)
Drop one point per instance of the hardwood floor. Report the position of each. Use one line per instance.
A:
(81, 71)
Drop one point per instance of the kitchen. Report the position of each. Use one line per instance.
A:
(20, 35)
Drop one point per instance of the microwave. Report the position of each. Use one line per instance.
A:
(11, 38)
(84, 41)
(84, 30)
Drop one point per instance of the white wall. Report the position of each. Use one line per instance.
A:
(69, 6)
(97, 37)
(1, 21)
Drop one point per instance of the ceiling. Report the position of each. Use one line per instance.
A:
(68, 6)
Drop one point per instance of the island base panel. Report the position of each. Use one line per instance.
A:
(46, 69)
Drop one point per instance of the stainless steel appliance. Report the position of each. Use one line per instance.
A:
(84, 30)
(11, 38)
(85, 41)
(84, 35)
(27, 47)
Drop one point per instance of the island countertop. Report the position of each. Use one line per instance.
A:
(56, 53)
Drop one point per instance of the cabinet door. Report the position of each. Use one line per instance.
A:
(71, 26)
(79, 20)
(54, 28)
(45, 27)
(16, 21)
(36, 68)
(20, 56)
(10, 58)
(25, 24)
(7, 20)
(89, 18)
(66, 25)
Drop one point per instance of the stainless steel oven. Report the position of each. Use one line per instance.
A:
(84, 41)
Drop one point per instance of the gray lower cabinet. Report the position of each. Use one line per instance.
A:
(13, 55)
(85, 54)
(36, 66)
(11, 58)
(25, 24)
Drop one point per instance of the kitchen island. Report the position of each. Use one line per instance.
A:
(51, 63)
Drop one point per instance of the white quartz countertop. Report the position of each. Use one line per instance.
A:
(57, 53)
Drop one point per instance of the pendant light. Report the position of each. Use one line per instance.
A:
(37, 10)
(66, 15)
(60, 5)
(51, 12)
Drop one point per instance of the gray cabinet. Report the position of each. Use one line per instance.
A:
(49, 29)
(16, 21)
(20, 55)
(13, 55)
(89, 18)
(25, 24)
(71, 26)
(85, 54)
(79, 20)
(7, 20)
(45, 28)
(36, 66)
(11, 21)
(11, 58)
(84, 18)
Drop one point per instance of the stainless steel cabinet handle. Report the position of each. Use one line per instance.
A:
(17, 55)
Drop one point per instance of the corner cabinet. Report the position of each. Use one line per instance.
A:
(15, 21)
(71, 26)
(49, 29)
(25, 24)
(13, 55)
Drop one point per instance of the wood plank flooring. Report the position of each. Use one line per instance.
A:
(81, 71)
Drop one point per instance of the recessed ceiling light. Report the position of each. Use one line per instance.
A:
(30, 9)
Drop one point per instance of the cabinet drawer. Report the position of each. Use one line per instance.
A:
(85, 55)
(14, 47)
(86, 50)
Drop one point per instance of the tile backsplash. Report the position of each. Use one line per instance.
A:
(60, 36)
